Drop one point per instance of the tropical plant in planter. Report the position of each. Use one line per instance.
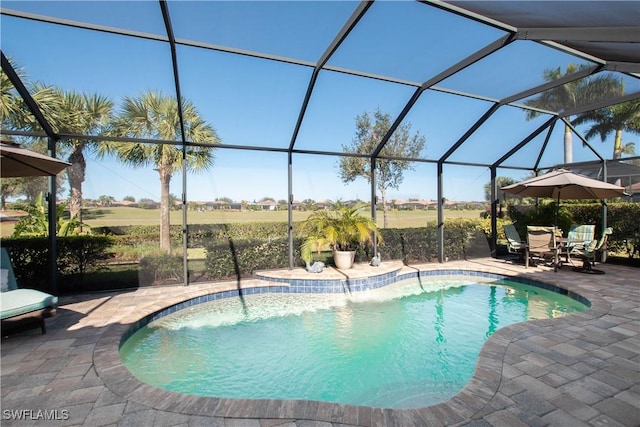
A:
(342, 230)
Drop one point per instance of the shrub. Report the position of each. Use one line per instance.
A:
(30, 260)
(235, 258)
(76, 255)
(462, 238)
(80, 254)
(622, 217)
(160, 269)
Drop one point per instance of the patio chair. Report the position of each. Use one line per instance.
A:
(541, 244)
(515, 244)
(578, 237)
(20, 306)
(589, 252)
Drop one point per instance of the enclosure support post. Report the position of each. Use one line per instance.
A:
(374, 200)
(183, 137)
(494, 213)
(603, 253)
(53, 222)
(441, 257)
(185, 234)
(290, 206)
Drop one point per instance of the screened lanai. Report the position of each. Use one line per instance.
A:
(282, 85)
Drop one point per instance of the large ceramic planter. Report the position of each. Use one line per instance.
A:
(344, 259)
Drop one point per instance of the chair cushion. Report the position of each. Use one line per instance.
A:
(4, 279)
(517, 245)
(21, 301)
(5, 264)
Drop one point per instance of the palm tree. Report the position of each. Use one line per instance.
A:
(501, 181)
(571, 95)
(155, 116)
(14, 114)
(343, 229)
(67, 112)
(614, 119)
(81, 114)
(11, 106)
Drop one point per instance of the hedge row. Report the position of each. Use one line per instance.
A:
(229, 253)
(76, 256)
(411, 244)
(238, 250)
(199, 234)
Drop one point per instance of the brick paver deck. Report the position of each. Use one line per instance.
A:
(580, 370)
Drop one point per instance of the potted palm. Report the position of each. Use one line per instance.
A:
(342, 230)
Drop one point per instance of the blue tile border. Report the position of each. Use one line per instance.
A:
(315, 286)
(333, 285)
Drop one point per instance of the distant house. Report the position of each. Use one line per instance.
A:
(324, 204)
(451, 204)
(267, 205)
(401, 204)
(414, 204)
(218, 205)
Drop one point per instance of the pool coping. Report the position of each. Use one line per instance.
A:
(462, 407)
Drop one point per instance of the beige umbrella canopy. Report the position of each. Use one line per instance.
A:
(16, 161)
(564, 184)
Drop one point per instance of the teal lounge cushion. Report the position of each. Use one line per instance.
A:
(21, 301)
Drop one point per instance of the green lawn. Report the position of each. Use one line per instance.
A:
(134, 216)
(122, 216)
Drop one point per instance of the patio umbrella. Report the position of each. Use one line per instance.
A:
(16, 161)
(564, 184)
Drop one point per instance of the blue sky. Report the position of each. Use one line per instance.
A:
(255, 102)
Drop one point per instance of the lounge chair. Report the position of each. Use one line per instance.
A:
(515, 245)
(21, 306)
(588, 253)
(578, 237)
(541, 243)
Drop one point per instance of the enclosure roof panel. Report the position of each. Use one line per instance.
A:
(293, 76)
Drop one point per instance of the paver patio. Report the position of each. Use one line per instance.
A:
(580, 370)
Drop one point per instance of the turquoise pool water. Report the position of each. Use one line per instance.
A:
(403, 346)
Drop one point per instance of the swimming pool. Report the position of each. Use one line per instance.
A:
(410, 344)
